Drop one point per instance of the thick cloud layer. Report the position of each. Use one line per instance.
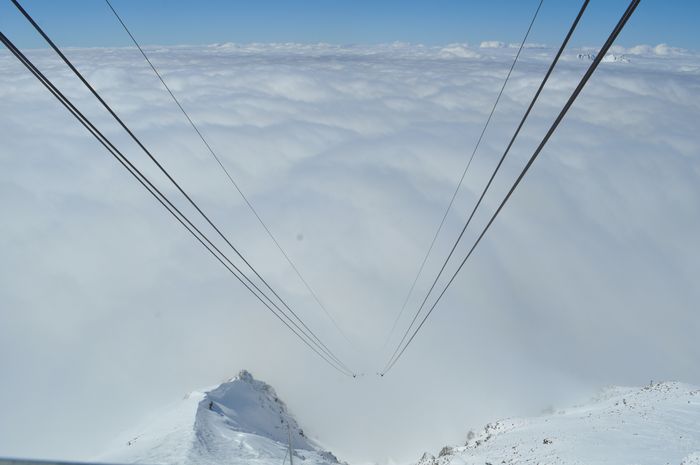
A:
(350, 154)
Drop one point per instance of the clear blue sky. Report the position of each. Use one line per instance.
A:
(89, 22)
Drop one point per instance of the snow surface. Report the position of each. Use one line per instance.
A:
(247, 423)
(657, 424)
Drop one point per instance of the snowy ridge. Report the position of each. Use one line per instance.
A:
(240, 421)
(657, 424)
(609, 58)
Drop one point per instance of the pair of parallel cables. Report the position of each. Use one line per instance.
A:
(406, 340)
(284, 312)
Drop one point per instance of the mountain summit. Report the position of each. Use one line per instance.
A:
(240, 421)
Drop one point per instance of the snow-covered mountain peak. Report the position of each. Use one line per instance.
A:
(244, 375)
(240, 421)
(252, 406)
(609, 58)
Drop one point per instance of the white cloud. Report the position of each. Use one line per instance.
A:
(664, 49)
(527, 45)
(492, 44)
(660, 50)
(458, 51)
(640, 50)
(587, 277)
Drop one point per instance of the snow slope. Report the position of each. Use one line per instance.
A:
(655, 425)
(247, 423)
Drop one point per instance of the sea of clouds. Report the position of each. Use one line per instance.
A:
(350, 153)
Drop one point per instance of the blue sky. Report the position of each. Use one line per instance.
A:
(89, 22)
